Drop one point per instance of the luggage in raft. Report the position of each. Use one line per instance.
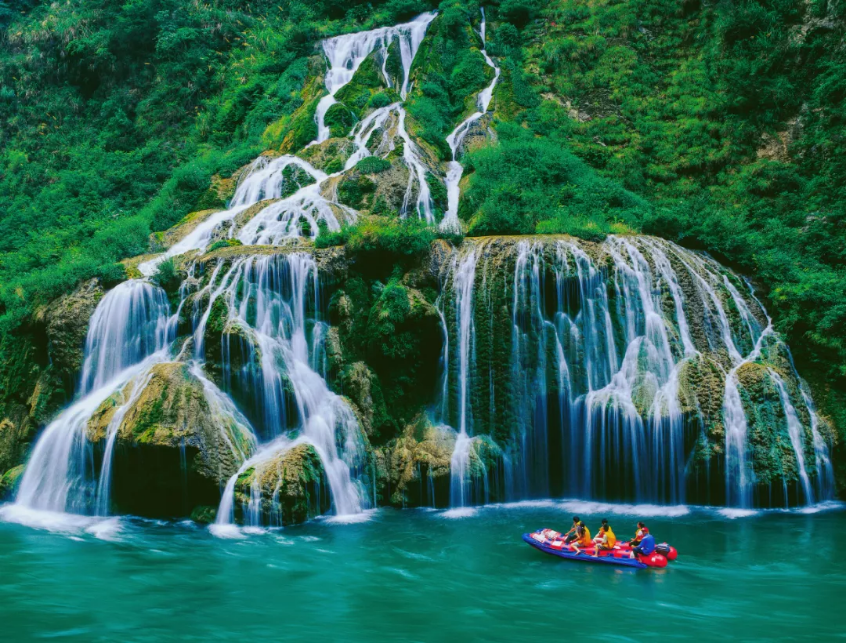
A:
(553, 543)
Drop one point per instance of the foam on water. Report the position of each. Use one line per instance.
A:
(733, 512)
(645, 510)
(460, 512)
(350, 519)
(60, 522)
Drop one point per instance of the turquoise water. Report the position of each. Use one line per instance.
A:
(423, 576)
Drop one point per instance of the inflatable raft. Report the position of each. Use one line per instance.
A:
(552, 542)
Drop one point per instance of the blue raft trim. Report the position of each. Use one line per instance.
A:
(585, 558)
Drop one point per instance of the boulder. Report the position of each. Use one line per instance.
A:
(178, 441)
(284, 489)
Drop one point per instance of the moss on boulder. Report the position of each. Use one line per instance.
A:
(176, 443)
(287, 487)
(9, 482)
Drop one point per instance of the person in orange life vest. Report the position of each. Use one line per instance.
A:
(572, 534)
(608, 542)
(583, 539)
(639, 534)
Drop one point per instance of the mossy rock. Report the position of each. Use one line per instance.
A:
(176, 443)
(340, 120)
(204, 514)
(288, 485)
(356, 190)
(9, 482)
(413, 462)
(329, 156)
(358, 96)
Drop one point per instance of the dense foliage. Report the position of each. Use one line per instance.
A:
(717, 125)
(114, 118)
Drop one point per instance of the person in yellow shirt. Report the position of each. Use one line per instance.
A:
(608, 540)
(572, 534)
(639, 534)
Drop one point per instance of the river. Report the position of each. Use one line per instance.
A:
(424, 575)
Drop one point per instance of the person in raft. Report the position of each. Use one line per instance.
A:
(572, 534)
(647, 544)
(583, 539)
(640, 532)
(608, 540)
(598, 537)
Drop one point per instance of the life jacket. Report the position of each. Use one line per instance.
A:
(585, 539)
(638, 536)
(610, 538)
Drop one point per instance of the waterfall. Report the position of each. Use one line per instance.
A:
(270, 296)
(344, 55)
(450, 222)
(795, 431)
(602, 345)
(130, 323)
(129, 332)
(464, 274)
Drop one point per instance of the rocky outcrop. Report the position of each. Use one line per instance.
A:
(40, 365)
(283, 490)
(414, 469)
(177, 441)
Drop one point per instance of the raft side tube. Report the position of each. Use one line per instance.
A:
(586, 558)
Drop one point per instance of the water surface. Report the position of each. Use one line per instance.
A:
(421, 575)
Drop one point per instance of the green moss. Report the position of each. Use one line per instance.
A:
(224, 243)
(357, 191)
(204, 514)
(372, 165)
(9, 481)
(340, 120)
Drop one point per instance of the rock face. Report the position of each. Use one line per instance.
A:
(177, 441)
(282, 491)
(414, 469)
(39, 369)
(378, 335)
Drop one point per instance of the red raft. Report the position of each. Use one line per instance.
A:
(553, 543)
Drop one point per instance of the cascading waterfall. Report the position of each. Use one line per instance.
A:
(795, 431)
(131, 322)
(346, 53)
(269, 296)
(602, 346)
(464, 274)
(450, 222)
(281, 219)
(130, 331)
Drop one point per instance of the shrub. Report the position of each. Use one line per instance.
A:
(372, 165)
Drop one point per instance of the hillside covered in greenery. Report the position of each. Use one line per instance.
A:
(719, 126)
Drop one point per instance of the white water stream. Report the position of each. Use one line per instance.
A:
(450, 222)
(346, 53)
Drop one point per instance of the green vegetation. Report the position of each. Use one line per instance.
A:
(717, 125)
(530, 184)
(448, 72)
(729, 118)
(372, 165)
(114, 118)
(395, 238)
